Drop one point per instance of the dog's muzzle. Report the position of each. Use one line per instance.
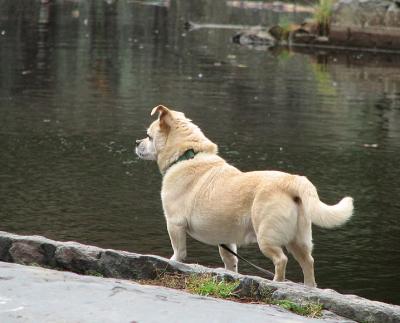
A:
(137, 148)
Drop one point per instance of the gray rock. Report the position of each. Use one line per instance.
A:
(351, 306)
(392, 17)
(32, 294)
(27, 253)
(77, 258)
(36, 250)
(133, 266)
(366, 13)
(255, 36)
(83, 259)
(5, 245)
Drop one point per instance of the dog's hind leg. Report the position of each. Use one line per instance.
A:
(177, 235)
(302, 253)
(230, 261)
(275, 223)
(277, 256)
(301, 248)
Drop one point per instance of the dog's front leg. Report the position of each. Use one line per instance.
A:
(177, 234)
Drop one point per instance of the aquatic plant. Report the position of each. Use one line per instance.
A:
(323, 15)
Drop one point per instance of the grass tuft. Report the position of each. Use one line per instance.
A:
(309, 309)
(206, 285)
(95, 273)
(211, 286)
(167, 280)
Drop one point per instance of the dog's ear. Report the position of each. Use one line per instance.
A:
(164, 115)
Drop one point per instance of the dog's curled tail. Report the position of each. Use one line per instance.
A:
(330, 216)
(321, 214)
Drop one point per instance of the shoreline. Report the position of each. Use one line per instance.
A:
(108, 263)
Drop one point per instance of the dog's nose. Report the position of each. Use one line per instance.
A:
(138, 142)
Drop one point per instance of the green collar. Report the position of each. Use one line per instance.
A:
(188, 154)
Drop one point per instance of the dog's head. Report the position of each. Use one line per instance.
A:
(170, 136)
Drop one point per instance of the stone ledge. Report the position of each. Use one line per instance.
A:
(31, 294)
(83, 259)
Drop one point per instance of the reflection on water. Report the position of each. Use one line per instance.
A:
(78, 80)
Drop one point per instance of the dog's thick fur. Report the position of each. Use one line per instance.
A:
(216, 203)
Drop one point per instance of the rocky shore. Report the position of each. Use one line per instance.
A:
(90, 260)
(372, 25)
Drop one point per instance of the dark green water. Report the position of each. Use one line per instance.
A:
(78, 80)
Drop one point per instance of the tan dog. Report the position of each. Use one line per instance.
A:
(216, 203)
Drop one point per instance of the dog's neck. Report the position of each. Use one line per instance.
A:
(178, 149)
(188, 154)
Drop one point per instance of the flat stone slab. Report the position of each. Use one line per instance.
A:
(89, 260)
(34, 294)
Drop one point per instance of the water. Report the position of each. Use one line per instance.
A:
(79, 79)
